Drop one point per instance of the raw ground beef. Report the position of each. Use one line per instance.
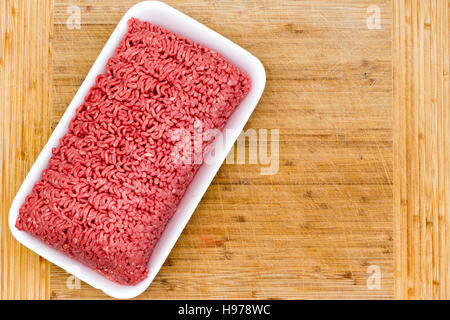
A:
(111, 186)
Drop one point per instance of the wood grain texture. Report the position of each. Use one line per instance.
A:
(25, 100)
(421, 149)
(313, 229)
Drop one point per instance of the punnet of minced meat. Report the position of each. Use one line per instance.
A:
(113, 183)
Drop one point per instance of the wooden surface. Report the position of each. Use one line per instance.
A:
(421, 149)
(315, 228)
(311, 230)
(25, 100)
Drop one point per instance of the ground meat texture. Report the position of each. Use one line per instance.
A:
(111, 185)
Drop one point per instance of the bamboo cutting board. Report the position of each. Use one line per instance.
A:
(325, 224)
(314, 228)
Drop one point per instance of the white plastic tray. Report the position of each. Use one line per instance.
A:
(167, 17)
